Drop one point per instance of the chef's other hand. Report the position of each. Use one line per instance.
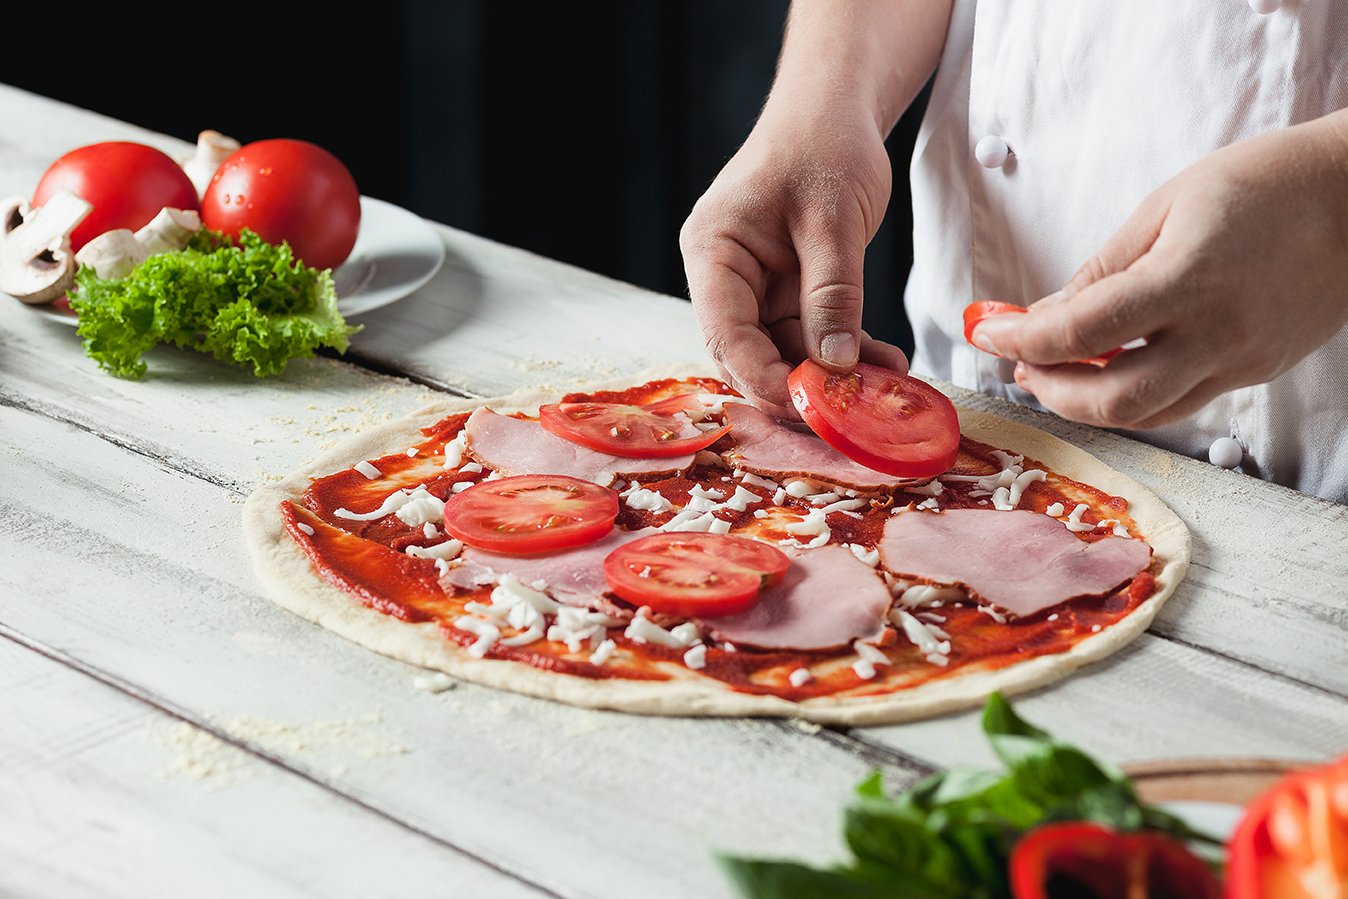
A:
(1232, 272)
(774, 249)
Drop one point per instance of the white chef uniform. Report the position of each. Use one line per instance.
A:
(1093, 104)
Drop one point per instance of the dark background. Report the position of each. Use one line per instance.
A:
(583, 132)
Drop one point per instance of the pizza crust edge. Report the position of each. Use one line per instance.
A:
(288, 579)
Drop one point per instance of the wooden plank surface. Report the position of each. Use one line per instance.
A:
(121, 562)
(105, 796)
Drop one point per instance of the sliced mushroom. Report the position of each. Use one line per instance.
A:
(36, 264)
(213, 148)
(169, 230)
(112, 254)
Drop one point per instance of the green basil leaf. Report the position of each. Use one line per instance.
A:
(767, 879)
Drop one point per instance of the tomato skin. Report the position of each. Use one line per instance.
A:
(886, 421)
(1292, 842)
(126, 183)
(530, 513)
(645, 432)
(680, 573)
(976, 313)
(1082, 858)
(287, 190)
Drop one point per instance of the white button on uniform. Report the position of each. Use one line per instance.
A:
(1265, 7)
(1225, 452)
(991, 152)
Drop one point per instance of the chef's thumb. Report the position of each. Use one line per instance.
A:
(830, 300)
(1124, 247)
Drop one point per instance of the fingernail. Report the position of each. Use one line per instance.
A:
(1019, 375)
(839, 349)
(986, 334)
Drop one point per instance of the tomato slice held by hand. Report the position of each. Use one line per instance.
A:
(1292, 842)
(879, 418)
(680, 573)
(531, 513)
(653, 431)
(1081, 858)
(976, 313)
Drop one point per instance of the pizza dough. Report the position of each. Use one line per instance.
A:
(289, 579)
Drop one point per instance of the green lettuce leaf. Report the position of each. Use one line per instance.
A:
(248, 302)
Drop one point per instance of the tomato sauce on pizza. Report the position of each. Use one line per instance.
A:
(375, 532)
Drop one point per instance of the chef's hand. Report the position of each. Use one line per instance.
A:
(773, 251)
(1232, 271)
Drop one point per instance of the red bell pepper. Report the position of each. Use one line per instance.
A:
(1292, 842)
(1082, 858)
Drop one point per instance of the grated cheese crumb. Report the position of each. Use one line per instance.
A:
(800, 677)
(412, 451)
(1074, 522)
(696, 657)
(368, 470)
(454, 450)
(436, 682)
(305, 528)
(448, 550)
(603, 652)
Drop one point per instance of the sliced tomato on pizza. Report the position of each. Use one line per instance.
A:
(531, 513)
(651, 431)
(693, 574)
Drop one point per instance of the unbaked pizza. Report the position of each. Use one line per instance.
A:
(667, 548)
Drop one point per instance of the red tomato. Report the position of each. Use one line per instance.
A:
(531, 513)
(1082, 858)
(1292, 842)
(976, 313)
(643, 432)
(693, 573)
(287, 190)
(126, 183)
(884, 420)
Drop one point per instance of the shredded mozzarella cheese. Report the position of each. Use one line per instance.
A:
(454, 451)
(1074, 522)
(448, 550)
(421, 508)
(603, 652)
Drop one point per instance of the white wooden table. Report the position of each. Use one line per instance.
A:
(166, 730)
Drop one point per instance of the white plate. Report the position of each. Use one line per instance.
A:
(396, 252)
